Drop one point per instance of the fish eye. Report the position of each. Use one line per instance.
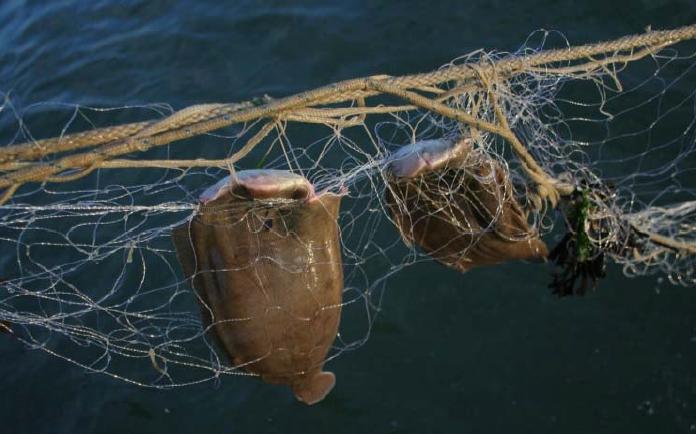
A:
(298, 194)
(241, 191)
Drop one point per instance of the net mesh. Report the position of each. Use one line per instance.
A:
(597, 143)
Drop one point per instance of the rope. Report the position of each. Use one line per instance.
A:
(196, 120)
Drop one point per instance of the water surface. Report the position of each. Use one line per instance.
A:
(490, 351)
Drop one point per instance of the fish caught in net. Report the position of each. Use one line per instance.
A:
(167, 248)
(458, 205)
(265, 259)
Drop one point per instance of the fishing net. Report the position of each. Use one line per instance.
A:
(484, 160)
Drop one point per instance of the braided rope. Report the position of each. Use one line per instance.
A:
(196, 120)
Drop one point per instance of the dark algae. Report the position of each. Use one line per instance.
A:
(582, 264)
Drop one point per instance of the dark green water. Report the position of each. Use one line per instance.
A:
(488, 352)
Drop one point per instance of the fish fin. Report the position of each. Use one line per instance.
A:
(331, 202)
(540, 252)
(315, 388)
(406, 240)
(183, 244)
(184, 240)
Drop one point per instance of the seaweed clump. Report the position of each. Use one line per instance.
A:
(582, 262)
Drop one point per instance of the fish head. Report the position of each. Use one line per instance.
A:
(427, 156)
(259, 184)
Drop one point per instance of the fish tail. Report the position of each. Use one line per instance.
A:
(315, 387)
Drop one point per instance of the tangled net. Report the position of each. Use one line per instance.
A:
(596, 140)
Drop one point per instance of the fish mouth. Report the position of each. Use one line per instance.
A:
(427, 156)
(260, 185)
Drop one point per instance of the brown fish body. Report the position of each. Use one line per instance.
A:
(264, 253)
(458, 205)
